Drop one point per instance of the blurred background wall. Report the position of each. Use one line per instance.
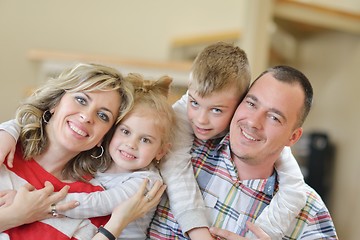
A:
(322, 40)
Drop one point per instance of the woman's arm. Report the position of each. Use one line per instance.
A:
(30, 205)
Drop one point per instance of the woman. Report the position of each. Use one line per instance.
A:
(63, 124)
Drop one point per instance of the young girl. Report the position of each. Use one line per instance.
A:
(138, 143)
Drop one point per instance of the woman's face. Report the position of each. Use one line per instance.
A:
(81, 119)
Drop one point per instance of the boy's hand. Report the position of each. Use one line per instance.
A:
(225, 234)
(7, 148)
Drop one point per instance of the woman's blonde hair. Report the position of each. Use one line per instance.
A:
(80, 78)
(154, 96)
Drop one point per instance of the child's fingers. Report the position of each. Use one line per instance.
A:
(10, 157)
(62, 207)
(258, 232)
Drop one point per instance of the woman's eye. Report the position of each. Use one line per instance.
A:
(103, 116)
(80, 100)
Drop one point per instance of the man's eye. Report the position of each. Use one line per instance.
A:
(274, 118)
(250, 103)
(124, 131)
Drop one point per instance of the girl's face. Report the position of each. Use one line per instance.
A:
(81, 119)
(136, 141)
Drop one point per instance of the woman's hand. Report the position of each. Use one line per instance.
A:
(30, 205)
(225, 234)
(133, 208)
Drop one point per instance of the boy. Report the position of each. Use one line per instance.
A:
(219, 79)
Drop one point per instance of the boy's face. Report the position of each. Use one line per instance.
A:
(136, 141)
(210, 116)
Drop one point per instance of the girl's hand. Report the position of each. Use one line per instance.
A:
(133, 208)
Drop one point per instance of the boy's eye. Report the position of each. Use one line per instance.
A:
(194, 103)
(103, 116)
(216, 110)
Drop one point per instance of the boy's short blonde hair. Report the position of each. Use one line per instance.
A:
(218, 67)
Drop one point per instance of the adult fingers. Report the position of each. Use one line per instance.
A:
(157, 190)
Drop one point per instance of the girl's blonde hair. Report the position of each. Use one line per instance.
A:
(154, 96)
(81, 78)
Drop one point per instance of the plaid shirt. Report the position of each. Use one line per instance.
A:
(231, 202)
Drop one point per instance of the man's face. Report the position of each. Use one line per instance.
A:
(265, 121)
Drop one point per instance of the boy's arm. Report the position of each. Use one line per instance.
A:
(9, 134)
(102, 203)
(288, 201)
(12, 128)
(186, 201)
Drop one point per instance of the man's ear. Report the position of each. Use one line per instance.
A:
(295, 136)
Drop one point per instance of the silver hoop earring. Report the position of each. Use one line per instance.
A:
(100, 155)
(46, 116)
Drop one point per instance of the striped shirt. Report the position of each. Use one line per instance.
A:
(53, 228)
(231, 203)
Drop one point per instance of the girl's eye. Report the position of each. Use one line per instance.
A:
(145, 140)
(103, 116)
(124, 131)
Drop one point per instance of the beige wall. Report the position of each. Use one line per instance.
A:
(144, 29)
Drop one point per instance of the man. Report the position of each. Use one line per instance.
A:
(236, 174)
